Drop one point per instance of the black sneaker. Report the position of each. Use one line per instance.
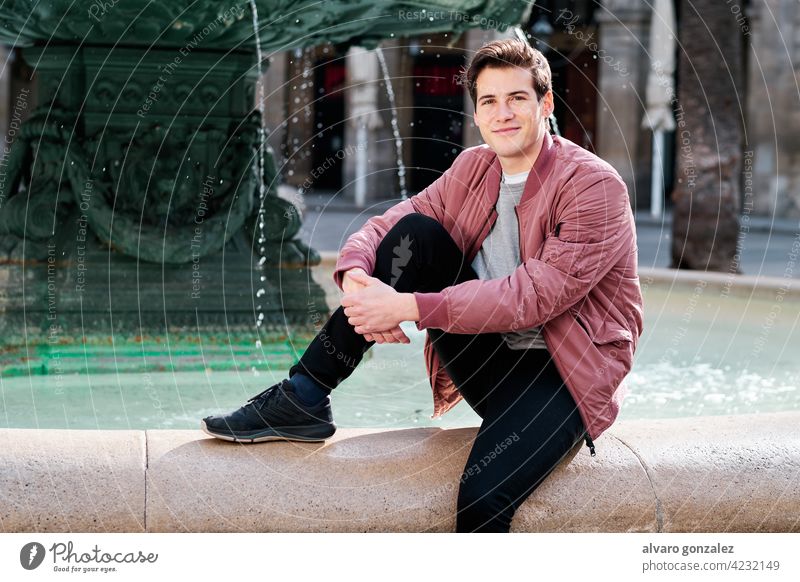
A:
(274, 414)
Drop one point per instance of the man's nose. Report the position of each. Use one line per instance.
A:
(504, 110)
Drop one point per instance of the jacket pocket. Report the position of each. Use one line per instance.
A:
(602, 330)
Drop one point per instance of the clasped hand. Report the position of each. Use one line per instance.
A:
(373, 308)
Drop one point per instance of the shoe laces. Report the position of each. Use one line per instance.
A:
(265, 396)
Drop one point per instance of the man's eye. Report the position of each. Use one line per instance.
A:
(519, 97)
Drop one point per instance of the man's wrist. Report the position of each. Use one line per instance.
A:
(353, 270)
(410, 309)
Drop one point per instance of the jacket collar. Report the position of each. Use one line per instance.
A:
(539, 172)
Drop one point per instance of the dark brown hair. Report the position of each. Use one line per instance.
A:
(508, 53)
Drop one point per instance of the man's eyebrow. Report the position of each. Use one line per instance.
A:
(512, 93)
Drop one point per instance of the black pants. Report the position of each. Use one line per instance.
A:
(530, 420)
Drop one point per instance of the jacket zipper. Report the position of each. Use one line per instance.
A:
(590, 444)
(587, 438)
(519, 235)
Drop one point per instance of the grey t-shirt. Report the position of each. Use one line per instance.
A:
(498, 256)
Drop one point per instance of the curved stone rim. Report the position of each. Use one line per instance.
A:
(700, 474)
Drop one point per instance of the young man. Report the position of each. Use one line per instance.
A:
(520, 261)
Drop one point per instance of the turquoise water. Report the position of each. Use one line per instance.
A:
(706, 353)
(390, 389)
(700, 354)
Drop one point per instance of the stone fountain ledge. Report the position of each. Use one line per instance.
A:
(702, 474)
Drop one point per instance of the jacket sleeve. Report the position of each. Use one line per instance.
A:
(361, 246)
(594, 229)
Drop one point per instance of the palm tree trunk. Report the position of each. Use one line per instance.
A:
(706, 197)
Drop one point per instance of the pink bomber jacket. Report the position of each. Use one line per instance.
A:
(578, 278)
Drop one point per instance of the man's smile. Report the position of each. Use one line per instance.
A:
(507, 130)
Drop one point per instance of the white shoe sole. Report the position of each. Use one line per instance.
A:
(272, 436)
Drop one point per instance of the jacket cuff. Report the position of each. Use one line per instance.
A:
(347, 262)
(432, 309)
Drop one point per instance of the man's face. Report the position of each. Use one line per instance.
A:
(510, 117)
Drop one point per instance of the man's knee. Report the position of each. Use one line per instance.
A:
(416, 224)
(418, 221)
(412, 245)
(414, 230)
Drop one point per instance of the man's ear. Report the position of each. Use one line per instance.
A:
(475, 119)
(549, 104)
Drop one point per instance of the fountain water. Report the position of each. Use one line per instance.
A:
(398, 143)
(163, 153)
(260, 166)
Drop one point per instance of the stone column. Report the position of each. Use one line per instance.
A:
(362, 122)
(300, 117)
(403, 81)
(275, 111)
(624, 28)
(370, 163)
(385, 154)
(773, 112)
